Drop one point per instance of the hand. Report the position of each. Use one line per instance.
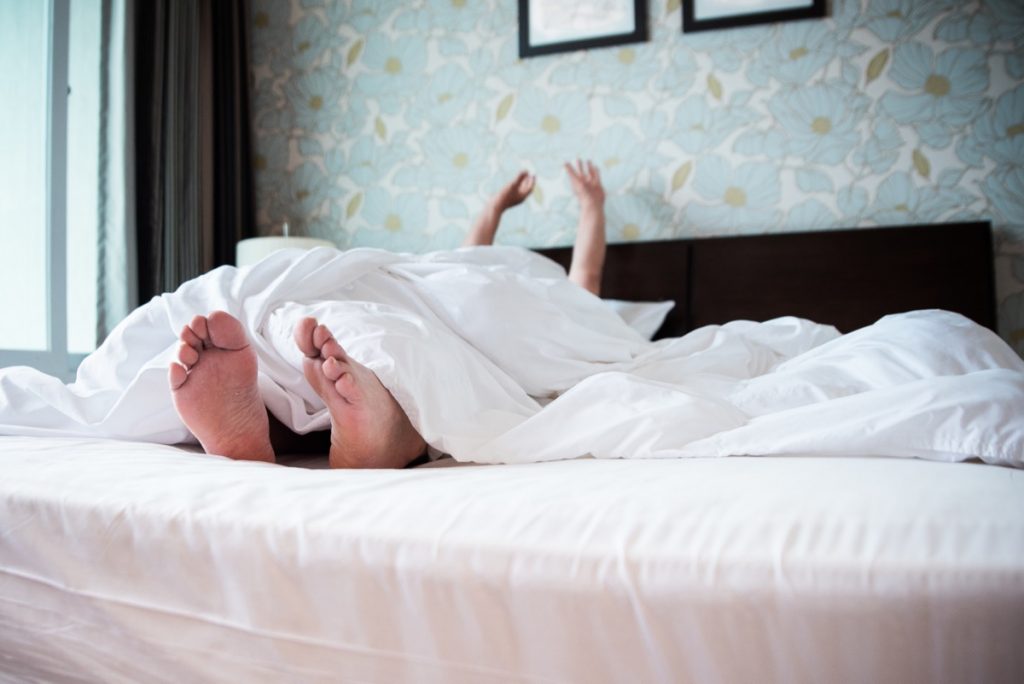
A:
(514, 192)
(586, 183)
(486, 224)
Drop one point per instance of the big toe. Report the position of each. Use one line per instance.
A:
(304, 337)
(226, 331)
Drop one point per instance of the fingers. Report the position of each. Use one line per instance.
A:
(524, 180)
(525, 185)
(515, 191)
(584, 171)
(515, 183)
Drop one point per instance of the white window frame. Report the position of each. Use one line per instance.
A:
(56, 359)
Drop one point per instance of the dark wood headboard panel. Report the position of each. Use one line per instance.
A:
(848, 278)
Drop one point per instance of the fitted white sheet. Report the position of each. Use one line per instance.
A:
(125, 562)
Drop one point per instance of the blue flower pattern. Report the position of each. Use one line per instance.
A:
(945, 90)
(739, 199)
(800, 52)
(820, 121)
(386, 122)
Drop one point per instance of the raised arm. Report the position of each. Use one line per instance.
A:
(589, 250)
(486, 225)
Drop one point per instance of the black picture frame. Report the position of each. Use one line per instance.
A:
(531, 47)
(801, 10)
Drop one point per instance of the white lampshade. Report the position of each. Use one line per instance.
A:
(252, 250)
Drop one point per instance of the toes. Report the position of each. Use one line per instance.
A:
(333, 368)
(321, 335)
(176, 375)
(304, 337)
(347, 388)
(313, 371)
(316, 340)
(220, 329)
(340, 375)
(226, 331)
(199, 329)
(188, 355)
(189, 337)
(331, 349)
(334, 374)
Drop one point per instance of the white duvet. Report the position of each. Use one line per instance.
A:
(496, 357)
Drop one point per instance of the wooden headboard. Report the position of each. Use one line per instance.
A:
(848, 278)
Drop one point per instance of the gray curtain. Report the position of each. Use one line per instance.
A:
(234, 208)
(116, 269)
(193, 177)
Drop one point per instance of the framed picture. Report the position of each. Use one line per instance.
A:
(548, 26)
(704, 15)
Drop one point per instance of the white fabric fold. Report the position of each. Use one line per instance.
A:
(497, 357)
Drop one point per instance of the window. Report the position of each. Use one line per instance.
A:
(49, 143)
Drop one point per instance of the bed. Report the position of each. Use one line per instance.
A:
(123, 561)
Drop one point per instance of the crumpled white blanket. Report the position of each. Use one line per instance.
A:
(498, 358)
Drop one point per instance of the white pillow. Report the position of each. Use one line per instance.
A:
(644, 317)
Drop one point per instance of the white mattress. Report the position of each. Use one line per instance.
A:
(124, 562)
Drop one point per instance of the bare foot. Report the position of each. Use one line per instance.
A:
(368, 427)
(214, 387)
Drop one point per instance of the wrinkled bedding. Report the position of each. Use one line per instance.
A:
(498, 358)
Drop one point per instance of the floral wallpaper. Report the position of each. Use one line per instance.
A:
(388, 122)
